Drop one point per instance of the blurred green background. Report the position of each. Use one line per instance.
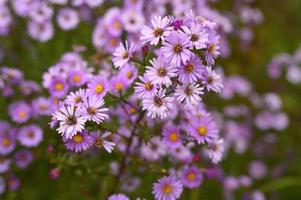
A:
(280, 32)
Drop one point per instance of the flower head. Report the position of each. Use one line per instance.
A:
(79, 142)
(167, 188)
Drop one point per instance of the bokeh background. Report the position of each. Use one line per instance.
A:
(279, 32)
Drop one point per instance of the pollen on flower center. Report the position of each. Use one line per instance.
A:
(162, 72)
(191, 176)
(114, 42)
(99, 142)
(188, 91)
(211, 48)
(189, 67)
(167, 188)
(194, 37)
(202, 130)
(77, 138)
(158, 101)
(177, 48)
(173, 137)
(132, 111)
(125, 55)
(30, 135)
(118, 86)
(148, 86)
(6, 142)
(76, 78)
(91, 110)
(210, 79)
(22, 114)
(130, 74)
(116, 25)
(78, 99)
(158, 32)
(98, 88)
(59, 86)
(71, 120)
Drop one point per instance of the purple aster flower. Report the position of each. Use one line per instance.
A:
(12, 75)
(13, 183)
(118, 84)
(257, 169)
(212, 50)
(191, 71)
(71, 120)
(167, 188)
(212, 80)
(191, 177)
(93, 109)
(99, 140)
(113, 23)
(157, 105)
(76, 98)
(158, 32)
(171, 136)
(41, 31)
(41, 106)
(29, 87)
(189, 94)
(30, 135)
(175, 48)
(58, 87)
(77, 77)
(118, 197)
(98, 86)
(79, 142)
(123, 54)
(203, 130)
(23, 158)
(67, 18)
(160, 72)
(130, 72)
(145, 87)
(154, 149)
(20, 112)
(133, 20)
(4, 165)
(197, 35)
(216, 150)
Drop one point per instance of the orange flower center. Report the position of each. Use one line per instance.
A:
(59, 86)
(173, 137)
(99, 88)
(202, 130)
(77, 138)
(167, 189)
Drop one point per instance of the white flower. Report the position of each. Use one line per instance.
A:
(93, 109)
(122, 54)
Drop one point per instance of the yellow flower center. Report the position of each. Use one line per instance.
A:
(22, 114)
(202, 130)
(211, 48)
(132, 111)
(116, 25)
(6, 142)
(148, 86)
(191, 176)
(173, 137)
(167, 189)
(130, 74)
(76, 79)
(77, 138)
(114, 42)
(59, 86)
(99, 88)
(118, 86)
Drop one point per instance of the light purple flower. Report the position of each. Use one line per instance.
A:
(145, 87)
(191, 71)
(197, 35)
(160, 72)
(98, 86)
(203, 130)
(189, 94)
(77, 77)
(212, 80)
(23, 158)
(41, 31)
(93, 109)
(76, 98)
(67, 18)
(216, 150)
(30, 135)
(171, 136)
(118, 197)
(4, 165)
(71, 120)
(191, 177)
(123, 54)
(20, 112)
(212, 50)
(167, 188)
(175, 48)
(157, 105)
(99, 141)
(158, 31)
(79, 142)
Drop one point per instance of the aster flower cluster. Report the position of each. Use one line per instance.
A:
(40, 14)
(288, 63)
(20, 135)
